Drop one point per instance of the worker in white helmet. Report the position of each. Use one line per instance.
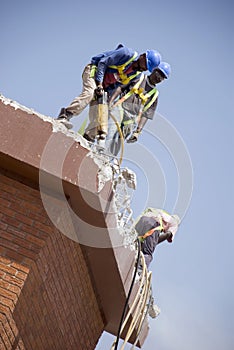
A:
(153, 227)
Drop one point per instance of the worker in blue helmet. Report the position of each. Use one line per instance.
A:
(105, 72)
(138, 101)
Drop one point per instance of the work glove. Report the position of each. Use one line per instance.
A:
(99, 90)
(134, 137)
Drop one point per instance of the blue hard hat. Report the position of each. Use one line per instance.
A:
(165, 68)
(153, 59)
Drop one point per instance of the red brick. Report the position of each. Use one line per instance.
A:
(46, 273)
(5, 261)
(4, 284)
(7, 302)
(8, 244)
(14, 280)
(32, 254)
(4, 202)
(2, 274)
(24, 219)
(8, 294)
(33, 231)
(3, 226)
(15, 231)
(7, 211)
(18, 207)
(14, 289)
(21, 275)
(14, 254)
(37, 241)
(33, 207)
(11, 221)
(44, 228)
(42, 218)
(7, 188)
(4, 310)
(5, 339)
(8, 269)
(20, 267)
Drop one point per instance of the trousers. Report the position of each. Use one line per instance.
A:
(86, 96)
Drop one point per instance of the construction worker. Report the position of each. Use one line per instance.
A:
(139, 99)
(153, 227)
(106, 71)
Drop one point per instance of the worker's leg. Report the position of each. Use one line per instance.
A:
(92, 127)
(81, 101)
(148, 259)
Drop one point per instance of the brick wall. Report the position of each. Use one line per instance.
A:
(46, 296)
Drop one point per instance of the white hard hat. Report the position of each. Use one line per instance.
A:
(177, 218)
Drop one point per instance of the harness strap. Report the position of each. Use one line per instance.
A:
(150, 232)
(123, 76)
(131, 92)
(153, 92)
(93, 71)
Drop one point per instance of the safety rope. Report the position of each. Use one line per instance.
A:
(115, 344)
(138, 309)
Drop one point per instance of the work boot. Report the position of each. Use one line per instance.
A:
(88, 138)
(101, 139)
(64, 117)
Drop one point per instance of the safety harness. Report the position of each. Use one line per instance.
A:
(125, 79)
(144, 98)
(140, 92)
(150, 232)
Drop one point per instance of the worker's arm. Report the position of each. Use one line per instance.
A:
(115, 94)
(165, 236)
(112, 58)
(122, 89)
(141, 124)
(148, 114)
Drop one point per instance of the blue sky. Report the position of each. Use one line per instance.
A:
(44, 48)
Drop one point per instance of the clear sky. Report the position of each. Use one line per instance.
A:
(44, 48)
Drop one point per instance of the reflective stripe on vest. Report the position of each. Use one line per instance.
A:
(93, 71)
(153, 92)
(139, 91)
(123, 77)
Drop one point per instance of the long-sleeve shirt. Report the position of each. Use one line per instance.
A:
(145, 224)
(107, 75)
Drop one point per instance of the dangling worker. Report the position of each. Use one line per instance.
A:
(153, 227)
(138, 102)
(103, 74)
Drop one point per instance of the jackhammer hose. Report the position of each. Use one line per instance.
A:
(121, 137)
(129, 294)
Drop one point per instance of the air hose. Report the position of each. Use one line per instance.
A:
(121, 137)
(128, 297)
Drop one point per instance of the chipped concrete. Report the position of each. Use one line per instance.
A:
(109, 170)
(56, 125)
